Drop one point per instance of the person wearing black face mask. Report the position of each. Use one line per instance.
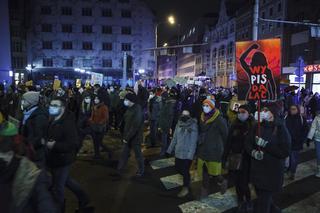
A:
(235, 158)
(18, 174)
(62, 145)
(184, 144)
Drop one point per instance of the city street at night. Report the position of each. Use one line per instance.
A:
(160, 106)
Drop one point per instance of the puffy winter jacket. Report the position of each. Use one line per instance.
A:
(314, 132)
(184, 142)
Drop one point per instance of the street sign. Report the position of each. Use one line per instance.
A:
(312, 68)
(315, 32)
(298, 79)
(300, 67)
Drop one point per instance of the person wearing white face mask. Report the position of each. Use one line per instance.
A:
(132, 136)
(268, 146)
(236, 160)
(213, 132)
(99, 119)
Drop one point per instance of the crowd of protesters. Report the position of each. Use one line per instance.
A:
(192, 123)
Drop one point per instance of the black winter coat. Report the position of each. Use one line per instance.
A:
(268, 173)
(238, 133)
(35, 129)
(133, 125)
(64, 132)
(298, 129)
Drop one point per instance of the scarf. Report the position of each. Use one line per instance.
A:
(27, 114)
(210, 117)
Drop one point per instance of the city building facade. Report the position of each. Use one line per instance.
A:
(90, 36)
(222, 48)
(190, 59)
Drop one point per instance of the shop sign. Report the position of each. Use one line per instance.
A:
(312, 68)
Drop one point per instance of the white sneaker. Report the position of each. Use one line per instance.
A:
(184, 192)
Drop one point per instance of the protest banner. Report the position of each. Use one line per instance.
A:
(258, 69)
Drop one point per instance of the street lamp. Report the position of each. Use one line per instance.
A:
(165, 44)
(30, 68)
(171, 20)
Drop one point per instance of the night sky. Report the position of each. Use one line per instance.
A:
(185, 11)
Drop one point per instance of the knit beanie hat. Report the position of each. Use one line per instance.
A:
(9, 129)
(31, 97)
(274, 107)
(246, 107)
(210, 101)
(132, 97)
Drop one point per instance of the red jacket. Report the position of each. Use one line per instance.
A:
(100, 114)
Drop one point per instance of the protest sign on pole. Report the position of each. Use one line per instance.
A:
(258, 69)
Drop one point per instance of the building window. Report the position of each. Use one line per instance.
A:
(87, 28)
(263, 15)
(271, 11)
(262, 28)
(270, 27)
(222, 65)
(47, 62)
(124, 1)
(66, 11)
(279, 7)
(68, 62)
(107, 46)
(107, 29)
(66, 28)
(18, 62)
(126, 47)
(222, 51)
(125, 13)
(47, 45)
(279, 24)
(86, 11)
(214, 52)
(15, 31)
(106, 12)
(230, 63)
(126, 30)
(67, 45)
(46, 10)
(106, 63)
(230, 48)
(87, 45)
(16, 46)
(46, 28)
(87, 62)
(232, 28)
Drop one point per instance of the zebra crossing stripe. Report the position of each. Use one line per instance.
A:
(162, 163)
(220, 203)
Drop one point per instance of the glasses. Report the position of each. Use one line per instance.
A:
(54, 105)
